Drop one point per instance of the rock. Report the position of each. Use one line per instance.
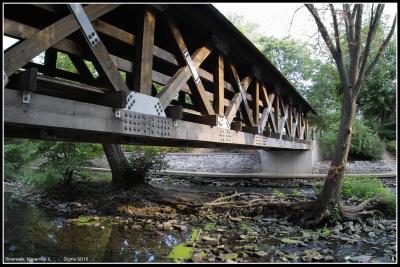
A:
(361, 258)
(102, 227)
(380, 226)
(230, 261)
(244, 255)
(167, 226)
(371, 234)
(236, 219)
(370, 222)
(221, 247)
(197, 257)
(179, 227)
(229, 256)
(136, 227)
(181, 207)
(328, 258)
(173, 221)
(96, 218)
(126, 227)
(61, 206)
(76, 204)
(149, 221)
(210, 241)
(159, 226)
(243, 237)
(357, 228)
(337, 228)
(261, 254)
(97, 224)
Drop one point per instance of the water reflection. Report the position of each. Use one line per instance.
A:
(32, 232)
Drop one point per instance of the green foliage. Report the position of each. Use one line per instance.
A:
(292, 58)
(137, 166)
(377, 99)
(63, 62)
(365, 187)
(391, 146)
(365, 144)
(63, 160)
(278, 193)
(210, 226)
(18, 154)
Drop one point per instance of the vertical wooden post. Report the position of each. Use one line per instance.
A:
(219, 86)
(256, 104)
(290, 118)
(144, 52)
(50, 61)
(277, 115)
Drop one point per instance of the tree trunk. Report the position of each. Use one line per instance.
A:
(115, 156)
(330, 194)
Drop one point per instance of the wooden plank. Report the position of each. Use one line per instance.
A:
(290, 119)
(144, 52)
(266, 112)
(242, 91)
(256, 105)
(48, 37)
(277, 113)
(219, 87)
(180, 78)
(234, 105)
(283, 119)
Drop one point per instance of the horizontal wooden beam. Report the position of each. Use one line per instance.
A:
(68, 115)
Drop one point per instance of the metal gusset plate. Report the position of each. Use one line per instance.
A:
(83, 20)
(145, 104)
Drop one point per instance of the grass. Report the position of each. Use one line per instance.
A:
(364, 187)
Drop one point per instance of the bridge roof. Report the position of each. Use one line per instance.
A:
(242, 49)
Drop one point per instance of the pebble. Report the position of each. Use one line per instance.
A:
(210, 241)
(261, 253)
(136, 227)
(197, 257)
(371, 234)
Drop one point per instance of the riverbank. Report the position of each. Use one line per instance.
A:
(99, 222)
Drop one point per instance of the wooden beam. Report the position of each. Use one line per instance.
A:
(230, 112)
(201, 91)
(21, 54)
(283, 120)
(92, 119)
(144, 52)
(219, 87)
(242, 91)
(180, 78)
(277, 113)
(290, 119)
(266, 112)
(102, 56)
(256, 104)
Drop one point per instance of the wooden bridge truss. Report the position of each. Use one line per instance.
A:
(165, 74)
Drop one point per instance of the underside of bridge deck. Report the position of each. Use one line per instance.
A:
(178, 75)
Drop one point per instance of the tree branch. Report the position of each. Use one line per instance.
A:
(356, 46)
(340, 63)
(381, 48)
(328, 41)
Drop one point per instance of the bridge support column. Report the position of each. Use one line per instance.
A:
(290, 161)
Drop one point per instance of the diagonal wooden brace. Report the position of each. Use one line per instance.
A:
(99, 50)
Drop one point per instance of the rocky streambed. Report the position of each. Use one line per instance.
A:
(130, 229)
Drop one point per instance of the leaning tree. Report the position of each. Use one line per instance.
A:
(353, 67)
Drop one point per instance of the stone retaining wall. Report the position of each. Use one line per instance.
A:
(250, 162)
(216, 162)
